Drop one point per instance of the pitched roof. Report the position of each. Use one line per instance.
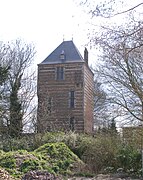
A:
(65, 52)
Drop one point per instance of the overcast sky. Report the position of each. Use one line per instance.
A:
(47, 22)
(43, 22)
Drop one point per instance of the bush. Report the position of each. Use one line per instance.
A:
(59, 156)
(102, 153)
(13, 144)
(30, 164)
(98, 152)
(129, 159)
(7, 161)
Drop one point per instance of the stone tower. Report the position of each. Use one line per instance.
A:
(65, 91)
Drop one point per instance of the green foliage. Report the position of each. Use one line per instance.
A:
(7, 161)
(52, 157)
(56, 150)
(59, 155)
(112, 127)
(100, 150)
(41, 139)
(19, 162)
(129, 159)
(53, 137)
(30, 164)
(14, 144)
(71, 139)
(16, 57)
(3, 77)
(108, 152)
(32, 142)
(15, 128)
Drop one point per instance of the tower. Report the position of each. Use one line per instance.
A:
(65, 91)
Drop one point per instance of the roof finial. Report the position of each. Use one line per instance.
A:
(63, 37)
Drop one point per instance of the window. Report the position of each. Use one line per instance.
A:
(72, 123)
(72, 99)
(60, 73)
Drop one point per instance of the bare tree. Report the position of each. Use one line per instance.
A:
(105, 113)
(121, 69)
(4, 70)
(28, 99)
(120, 63)
(19, 88)
(110, 8)
(100, 106)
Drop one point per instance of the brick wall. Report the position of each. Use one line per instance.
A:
(58, 91)
(88, 99)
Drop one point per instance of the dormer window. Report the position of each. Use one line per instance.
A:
(62, 55)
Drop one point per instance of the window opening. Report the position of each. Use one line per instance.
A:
(60, 73)
(72, 99)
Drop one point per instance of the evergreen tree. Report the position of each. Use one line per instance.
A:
(15, 128)
(112, 127)
(16, 87)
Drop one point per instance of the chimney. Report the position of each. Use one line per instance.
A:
(86, 55)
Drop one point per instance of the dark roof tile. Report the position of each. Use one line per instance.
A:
(64, 53)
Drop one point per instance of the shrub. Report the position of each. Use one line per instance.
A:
(7, 161)
(19, 162)
(98, 152)
(30, 164)
(129, 159)
(51, 137)
(102, 153)
(13, 144)
(59, 156)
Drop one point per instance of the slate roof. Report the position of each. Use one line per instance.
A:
(66, 52)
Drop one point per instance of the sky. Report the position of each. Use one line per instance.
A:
(45, 23)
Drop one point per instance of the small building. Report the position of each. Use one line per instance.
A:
(65, 91)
